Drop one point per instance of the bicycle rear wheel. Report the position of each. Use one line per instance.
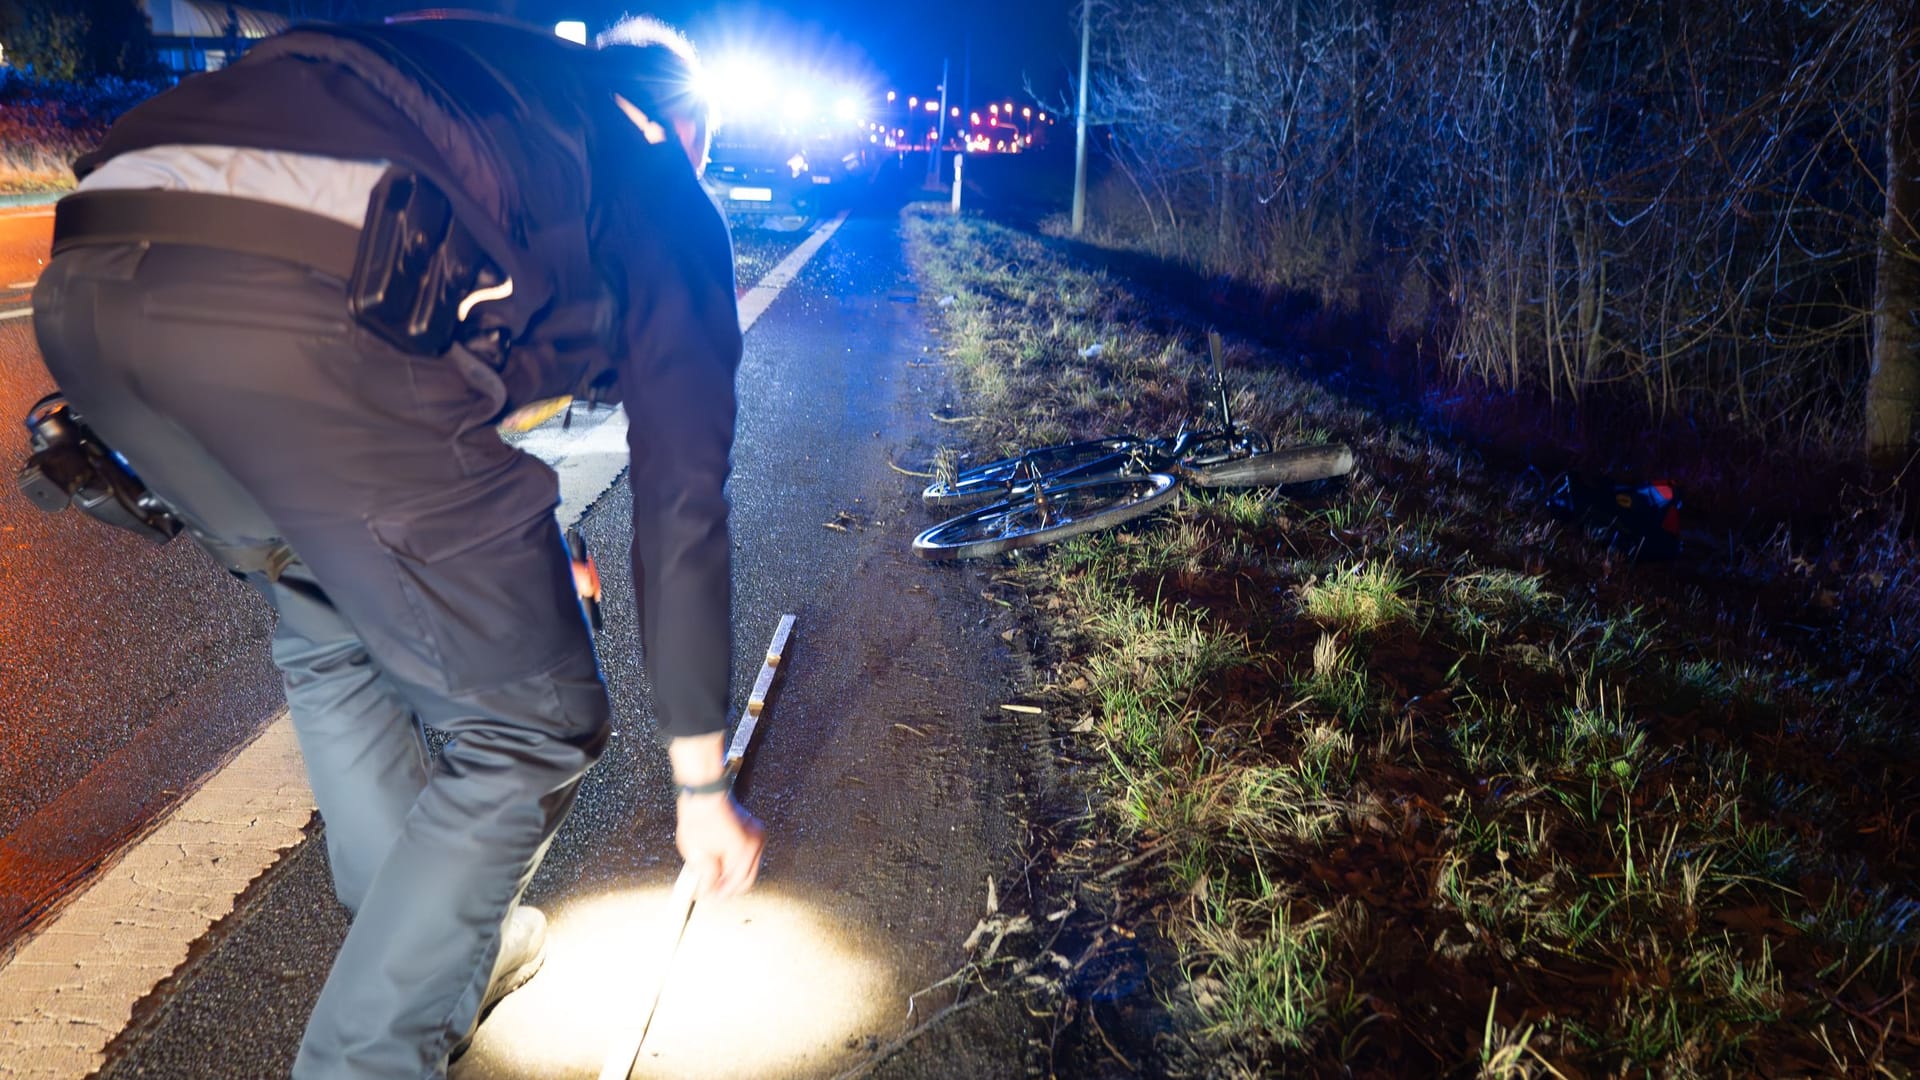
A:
(1054, 514)
(1271, 468)
(1066, 461)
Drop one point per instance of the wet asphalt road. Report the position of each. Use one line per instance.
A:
(874, 770)
(128, 671)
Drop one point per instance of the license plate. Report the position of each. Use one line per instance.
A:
(751, 194)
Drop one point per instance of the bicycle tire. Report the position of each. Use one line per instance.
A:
(1071, 509)
(1274, 468)
(1063, 461)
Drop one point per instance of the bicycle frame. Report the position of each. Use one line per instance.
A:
(1188, 451)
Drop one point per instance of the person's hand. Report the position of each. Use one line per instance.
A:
(721, 843)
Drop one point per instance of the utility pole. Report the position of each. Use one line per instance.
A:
(939, 140)
(966, 81)
(1080, 122)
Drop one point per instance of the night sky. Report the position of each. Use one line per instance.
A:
(896, 45)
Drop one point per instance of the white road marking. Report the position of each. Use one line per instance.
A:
(15, 313)
(588, 458)
(68, 990)
(761, 296)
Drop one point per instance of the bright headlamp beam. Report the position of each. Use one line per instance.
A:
(738, 88)
(798, 105)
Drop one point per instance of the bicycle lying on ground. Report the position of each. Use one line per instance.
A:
(1054, 492)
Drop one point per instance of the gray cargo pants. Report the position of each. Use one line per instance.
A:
(431, 587)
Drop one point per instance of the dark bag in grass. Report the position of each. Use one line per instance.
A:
(1643, 519)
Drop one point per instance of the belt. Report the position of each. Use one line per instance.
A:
(199, 219)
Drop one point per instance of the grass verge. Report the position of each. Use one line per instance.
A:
(37, 147)
(1414, 780)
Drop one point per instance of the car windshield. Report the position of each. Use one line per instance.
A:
(751, 156)
(753, 148)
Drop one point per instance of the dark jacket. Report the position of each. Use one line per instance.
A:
(622, 266)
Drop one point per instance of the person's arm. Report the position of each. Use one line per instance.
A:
(682, 347)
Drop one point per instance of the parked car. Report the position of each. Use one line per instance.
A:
(766, 183)
(774, 178)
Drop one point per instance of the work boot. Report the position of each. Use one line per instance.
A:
(523, 948)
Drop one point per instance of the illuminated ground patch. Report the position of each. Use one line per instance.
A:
(761, 986)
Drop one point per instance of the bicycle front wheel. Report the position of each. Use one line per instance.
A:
(1054, 514)
(991, 482)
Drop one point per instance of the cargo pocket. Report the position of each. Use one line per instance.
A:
(487, 586)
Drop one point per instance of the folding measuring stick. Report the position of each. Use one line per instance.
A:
(625, 1053)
